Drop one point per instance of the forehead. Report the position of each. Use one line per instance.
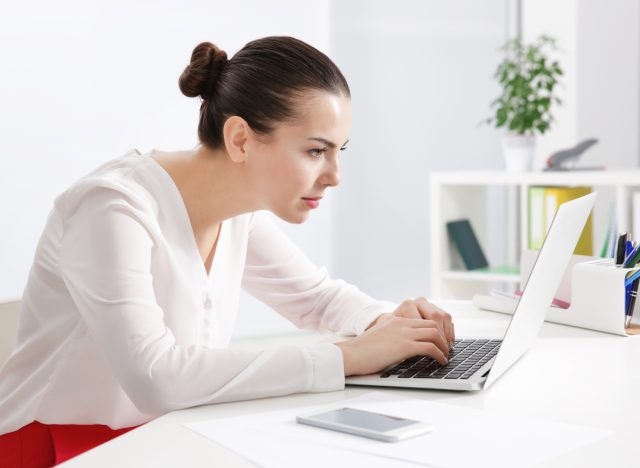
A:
(320, 114)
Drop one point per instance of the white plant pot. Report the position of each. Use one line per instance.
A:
(518, 151)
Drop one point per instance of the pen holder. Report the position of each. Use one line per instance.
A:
(597, 299)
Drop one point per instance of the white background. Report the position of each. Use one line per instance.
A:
(84, 81)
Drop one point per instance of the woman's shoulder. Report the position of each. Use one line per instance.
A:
(117, 180)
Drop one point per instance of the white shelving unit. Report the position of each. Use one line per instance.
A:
(496, 204)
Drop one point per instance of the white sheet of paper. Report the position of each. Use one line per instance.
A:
(462, 437)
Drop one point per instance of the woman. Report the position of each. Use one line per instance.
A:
(131, 300)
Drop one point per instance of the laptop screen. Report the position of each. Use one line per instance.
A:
(543, 282)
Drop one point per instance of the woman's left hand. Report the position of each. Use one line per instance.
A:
(422, 309)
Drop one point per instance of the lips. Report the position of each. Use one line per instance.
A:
(312, 202)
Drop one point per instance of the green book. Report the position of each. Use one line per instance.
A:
(466, 242)
(503, 269)
(537, 230)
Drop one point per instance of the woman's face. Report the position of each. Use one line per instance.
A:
(294, 165)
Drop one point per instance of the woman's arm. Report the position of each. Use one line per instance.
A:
(105, 261)
(280, 275)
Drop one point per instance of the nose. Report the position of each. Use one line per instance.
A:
(331, 176)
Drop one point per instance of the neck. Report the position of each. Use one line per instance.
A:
(213, 187)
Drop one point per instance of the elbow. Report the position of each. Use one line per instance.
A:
(152, 383)
(152, 405)
(150, 395)
(151, 398)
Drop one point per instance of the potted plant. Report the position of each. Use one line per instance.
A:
(528, 78)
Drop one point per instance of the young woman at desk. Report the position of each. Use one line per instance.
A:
(131, 300)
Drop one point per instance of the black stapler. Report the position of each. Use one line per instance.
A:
(565, 160)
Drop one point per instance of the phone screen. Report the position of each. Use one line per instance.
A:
(364, 419)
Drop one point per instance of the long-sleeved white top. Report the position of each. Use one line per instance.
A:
(120, 321)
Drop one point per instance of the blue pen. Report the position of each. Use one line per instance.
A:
(629, 280)
(627, 297)
(629, 284)
(630, 305)
(630, 257)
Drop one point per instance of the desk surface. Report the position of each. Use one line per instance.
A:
(570, 375)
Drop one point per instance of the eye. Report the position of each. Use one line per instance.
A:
(317, 152)
(343, 148)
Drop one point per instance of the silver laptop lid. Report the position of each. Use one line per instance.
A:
(543, 282)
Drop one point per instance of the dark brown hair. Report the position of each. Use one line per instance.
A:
(260, 83)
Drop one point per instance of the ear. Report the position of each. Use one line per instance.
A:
(236, 133)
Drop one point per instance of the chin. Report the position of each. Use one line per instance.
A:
(293, 216)
(297, 218)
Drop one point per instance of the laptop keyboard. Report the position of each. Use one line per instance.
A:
(465, 358)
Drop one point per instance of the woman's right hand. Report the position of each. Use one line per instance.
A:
(394, 340)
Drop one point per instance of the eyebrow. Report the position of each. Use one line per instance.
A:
(330, 144)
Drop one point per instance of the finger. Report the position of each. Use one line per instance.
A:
(430, 311)
(432, 335)
(433, 312)
(407, 309)
(448, 325)
(424, 307)
(425, 348)
(421, 323)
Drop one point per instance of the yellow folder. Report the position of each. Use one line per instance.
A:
(553, 198)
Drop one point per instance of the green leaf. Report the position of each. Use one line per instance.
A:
(501, 117)
(528, 77)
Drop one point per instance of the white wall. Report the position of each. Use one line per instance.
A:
(608, 80)
(536, 20)
(421, 79)
(85, 80)
(601, 59)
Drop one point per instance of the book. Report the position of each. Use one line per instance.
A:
(537, 227)
(465, 240)
(609, 242)
(543, 202)
(502, 269)
(554, 197)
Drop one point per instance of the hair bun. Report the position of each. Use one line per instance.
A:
(199, 78)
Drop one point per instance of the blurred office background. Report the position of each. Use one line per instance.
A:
(84, 81)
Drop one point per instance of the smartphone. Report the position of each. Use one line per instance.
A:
(366, 424)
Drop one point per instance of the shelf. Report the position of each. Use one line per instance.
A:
(484, 178)
(480, 276)
(497, 202)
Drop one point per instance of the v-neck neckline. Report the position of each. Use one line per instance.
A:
(187, 228)
(214, 249)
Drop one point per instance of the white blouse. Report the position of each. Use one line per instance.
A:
(121, 323)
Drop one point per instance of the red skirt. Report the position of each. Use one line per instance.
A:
(38, 445)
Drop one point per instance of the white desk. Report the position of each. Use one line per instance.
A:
(570, 375)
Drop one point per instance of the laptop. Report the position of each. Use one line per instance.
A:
(475, 364)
